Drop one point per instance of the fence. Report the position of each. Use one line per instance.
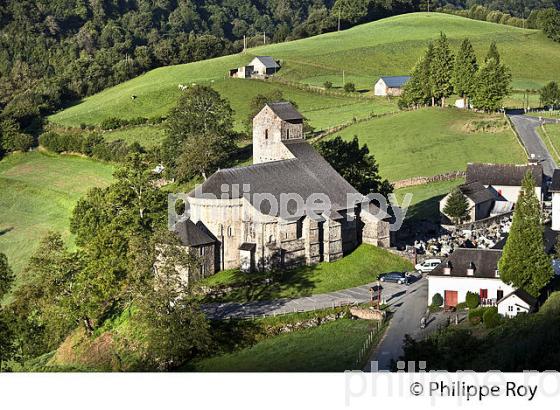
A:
(366, 348)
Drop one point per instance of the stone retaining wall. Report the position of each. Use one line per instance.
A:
(403, 183)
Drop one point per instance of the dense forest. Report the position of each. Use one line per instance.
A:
(53, 52)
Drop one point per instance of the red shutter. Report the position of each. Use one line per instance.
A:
(483, 293)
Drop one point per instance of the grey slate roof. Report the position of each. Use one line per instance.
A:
(555, 184)
(485, 262)
(396, 81)
(191, 234)
(247, 246)
(503, 174)
(268, 61)
(476, 192)
(285, 111)
(306, 174)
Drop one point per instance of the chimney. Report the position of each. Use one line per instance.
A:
(470, 269)
(447, 269)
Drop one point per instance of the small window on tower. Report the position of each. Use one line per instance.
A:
(265, 134)
(287, 134)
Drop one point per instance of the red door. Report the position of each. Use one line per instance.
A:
(451, 298)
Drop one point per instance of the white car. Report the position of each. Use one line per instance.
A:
(427, 266)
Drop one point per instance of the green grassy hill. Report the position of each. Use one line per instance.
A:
(38, 193)
(385, 47)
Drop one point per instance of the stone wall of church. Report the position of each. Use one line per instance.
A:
(374, 231)
(267, 138)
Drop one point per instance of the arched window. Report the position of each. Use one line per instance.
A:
(230, 231)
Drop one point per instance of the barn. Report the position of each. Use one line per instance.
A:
(390, 86)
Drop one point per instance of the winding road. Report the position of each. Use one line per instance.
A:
(526, 128)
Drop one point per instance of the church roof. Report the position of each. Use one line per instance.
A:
(306, 174)
(191, 234)
(285, 111)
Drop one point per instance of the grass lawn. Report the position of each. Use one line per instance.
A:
(38, 193)
(433, 141)
(551, 137)
(145, 135)
(331, 347)
(425, 198)
(386, 47)
(358, 268)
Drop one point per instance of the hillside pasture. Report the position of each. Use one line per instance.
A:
(433, 141)
(39, 192)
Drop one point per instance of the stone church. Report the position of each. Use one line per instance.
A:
(234, 227)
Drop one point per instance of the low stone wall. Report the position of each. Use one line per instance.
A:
(403, 183)
(482, 223)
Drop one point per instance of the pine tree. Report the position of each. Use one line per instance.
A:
(457, 207)
(464, 71)
(441, 69)
(493, 53)
(418, 90)
(6, 276)
(524, 263)
(493, 83)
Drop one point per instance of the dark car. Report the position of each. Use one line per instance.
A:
(398, 277)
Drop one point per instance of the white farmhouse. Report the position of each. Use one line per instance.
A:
(390, 86)
(260, 67)
(505, 180)
(469, 270)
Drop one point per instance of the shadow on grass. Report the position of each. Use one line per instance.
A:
(4, 231)
(426, 210)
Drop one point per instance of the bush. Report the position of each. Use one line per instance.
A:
(461, 306)
(22, 142)
(491, 318)
(349, 87)
(437, 300)
(327, 85)
(552, 305)
(472, 300)
(475, 315)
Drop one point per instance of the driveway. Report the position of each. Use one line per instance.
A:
(526, 127)
(360, 294)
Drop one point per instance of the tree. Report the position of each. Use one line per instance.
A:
(350, 10)
(327, 85)
(203, 154)
(355, 164)
(349, 87)
(464, 71)
(6, 276)
(472, 300)
(199, 111)
(457, 207)
(168, 315)
(550, 94)
(441, 69)
(418, 90)
(492, 53)
(524, 262)
(493, 83)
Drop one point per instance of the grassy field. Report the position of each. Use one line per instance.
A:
(332, 347)
(38, 193)
(386, 47)
(358, 268)
(145, 135)
(433, 141)
(551, 137)
(425, 198)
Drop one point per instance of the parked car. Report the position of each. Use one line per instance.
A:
(398, 277)
(427, 266)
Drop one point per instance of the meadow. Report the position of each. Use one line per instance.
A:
(38, 193)
(386, 47)
(433, 141)
(331, 347)
(550, 134)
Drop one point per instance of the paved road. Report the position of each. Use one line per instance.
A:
(408, 310)
(359, 294)
(526, 127)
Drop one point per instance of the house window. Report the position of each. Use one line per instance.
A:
(510, 308)
(483, 293)
(265, 134)
(299, 228)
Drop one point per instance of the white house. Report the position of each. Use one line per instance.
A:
(516, 302)
(469, 270)
(260, 66)
(505, 180)
(390, 85)
(554, 188)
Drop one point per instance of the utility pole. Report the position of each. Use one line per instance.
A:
(428, 6)
(244, 43)
(343, 78)
(264, 37)
(338, 20)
